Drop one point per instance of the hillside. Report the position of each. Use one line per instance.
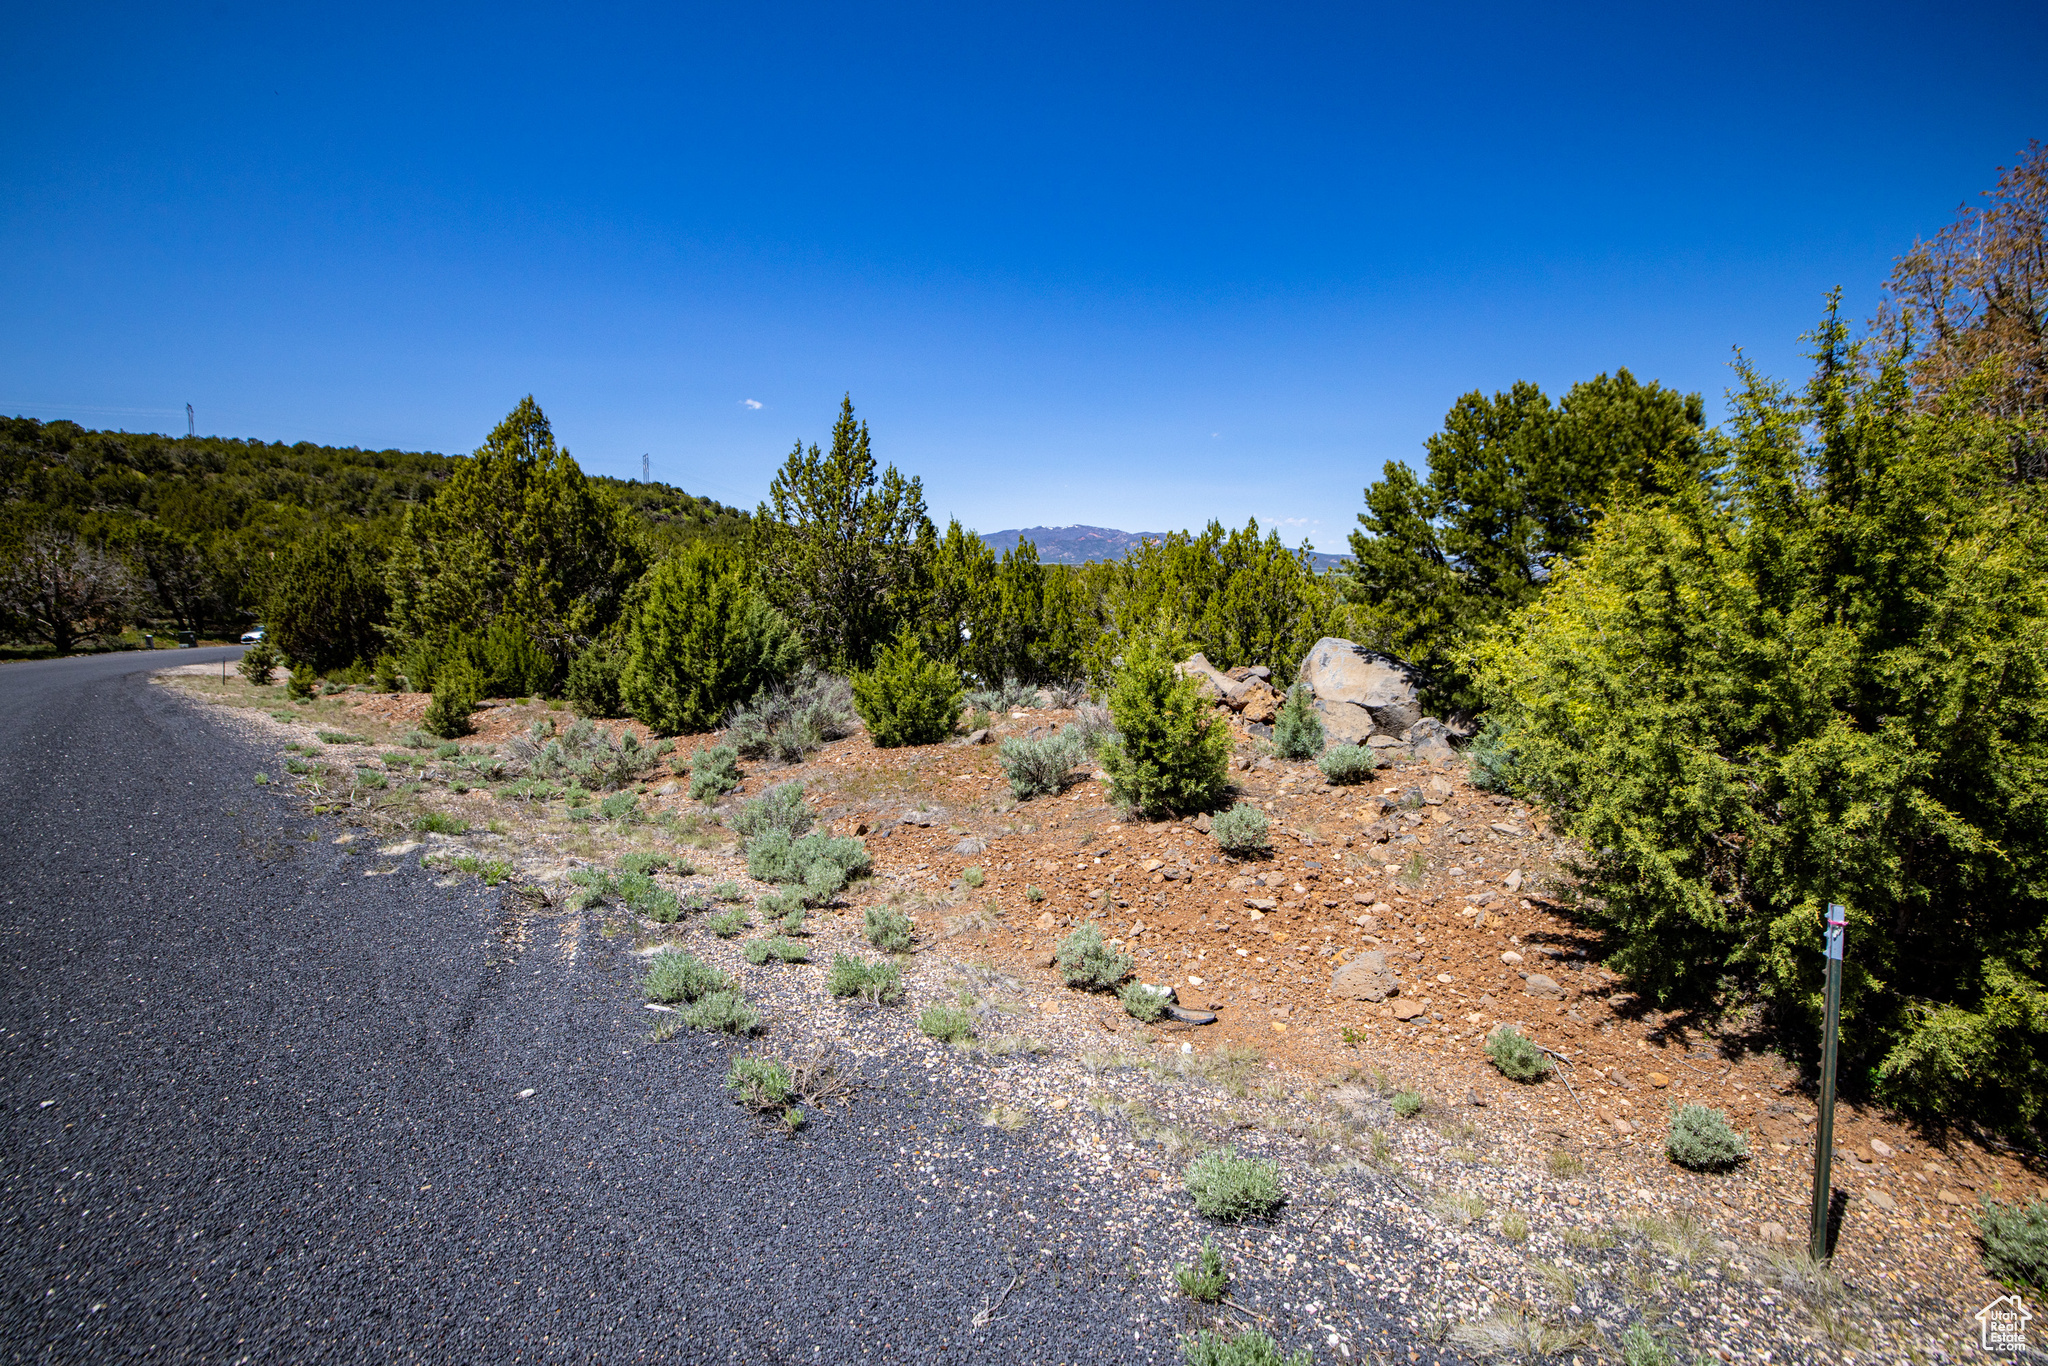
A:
(1083, 544)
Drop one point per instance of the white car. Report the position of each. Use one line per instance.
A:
(252, 637)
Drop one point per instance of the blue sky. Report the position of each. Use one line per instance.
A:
(1132, 266)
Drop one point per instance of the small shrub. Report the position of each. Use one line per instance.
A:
(877, 982)
(674, 975)
(1639, 1347)
(257, 662)
(760, 951)
(1143, 1003)
(449, 750)
(760, 1084)
(1226, 1186)
(1038, 767)
(714, 772)
(1347, 763)
(340, 737)
(973, 877)
(975, 720)
(620, 806)
(1034, 895)
(723, 1011)
(372, 779)
(437, 823)
(793, 920)
(1407, 1104)
(780, 809)
(1206, 1281)
(819, 863)
(593, 683)
(1566, 1165)
(644, 896)
(1297, 730)
(728, 891)
(727, 924)
(776, 905)
(786, 723)
(642, 861)
(1085, 961)
(887, 929)
(1415, 871)
(385, 677)
(1249, 1348)
(1515, 1057)
(1009, 695)
(947, 1024)
(1172, 753)
(1493, 760)
(1701, 1139)
(300, 685)
(908, 698)
(456, 691)
(1240, 830)
(2015, 1242)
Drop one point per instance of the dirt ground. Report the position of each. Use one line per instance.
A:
(1460, 889)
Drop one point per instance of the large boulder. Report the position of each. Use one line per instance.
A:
(1344, 673)
(1215, 685)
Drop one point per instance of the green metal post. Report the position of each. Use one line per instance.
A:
(1824, 1130)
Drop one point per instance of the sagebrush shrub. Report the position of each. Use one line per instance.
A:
(1037, 767)
(760, 951)
(727, 924)
(1084, 960)
(1347, 763)
(1407, 1104)
(908, 698)
(1240, 830)
(1226, 1186)
(723, 1011)
(714, 772)
(878, 982)
(1701, 1139)
(1249, 1348)
(947, 1024)
(1172, 753)
(1298, 730)
(788, 722)
(781, 809)
(819, 864)
(888, 929)
(675, 975)
(1206, 1281)
(1143, 1003)
(1009, 695)
(439, 823)
(257, 663)
(2015, 1242)
(1515, 1057)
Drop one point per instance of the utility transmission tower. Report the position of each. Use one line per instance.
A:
(644, 477)
(191, 426)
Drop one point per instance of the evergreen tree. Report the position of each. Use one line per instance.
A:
(701, 642)
(327, 601)
(1515, 486)
(518, 532)
(839, 551)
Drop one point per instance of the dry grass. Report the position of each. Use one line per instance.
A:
(1504, 1336)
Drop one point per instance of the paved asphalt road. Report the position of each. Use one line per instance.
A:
(256, 1106)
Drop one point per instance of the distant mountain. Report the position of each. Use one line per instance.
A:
(1081, 544)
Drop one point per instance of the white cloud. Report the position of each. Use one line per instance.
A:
(750, 403)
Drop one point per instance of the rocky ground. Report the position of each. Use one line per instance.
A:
(1522, 1217)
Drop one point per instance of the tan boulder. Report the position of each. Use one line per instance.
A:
(1214, 684)
(1365, 978)
(1343, 671)
(1260, 702)
(1343, 723)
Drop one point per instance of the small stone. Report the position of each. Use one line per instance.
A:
(1539, 985)
(1882, 1148)
(979, 737)
(1773, 1233)
(1261, 904)
(1474, 1098)
(1658, 1080)
(1881, 1200)
(668, 789)
(1190, 1016)
(1059, 1103)
(1046, 959)
(1623, 1127)
(1951, 1198)
(1513, 881)
(1445, 977)
(1152, 865)
(1365, 978)
(1045, 921)
(1407, 1010)
(1511, 958)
